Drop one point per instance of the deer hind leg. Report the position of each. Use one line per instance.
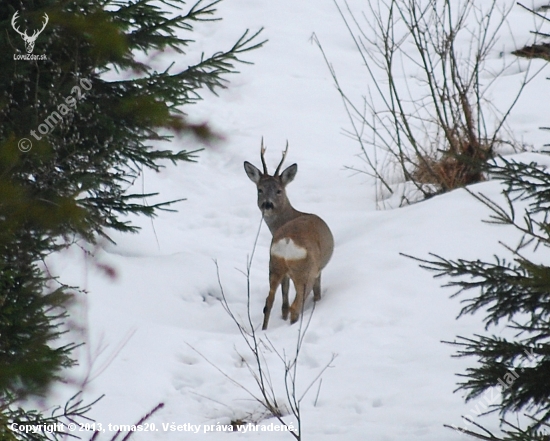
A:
(284, 288)
(303, 287)
(317, 288)
(277, 273)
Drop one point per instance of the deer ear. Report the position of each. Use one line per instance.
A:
(252, 172)
(288, 175)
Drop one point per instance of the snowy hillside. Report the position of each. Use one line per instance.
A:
(156, 331)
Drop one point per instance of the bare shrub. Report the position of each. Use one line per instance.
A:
(430, 108)
(257, 343)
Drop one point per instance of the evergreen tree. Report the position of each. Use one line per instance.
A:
(517, 292)
(72, 140)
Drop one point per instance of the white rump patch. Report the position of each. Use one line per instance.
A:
(288, 250)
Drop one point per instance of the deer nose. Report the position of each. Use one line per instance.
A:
(267, 206)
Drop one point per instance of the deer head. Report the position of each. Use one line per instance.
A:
(272, 199)
(28, 39)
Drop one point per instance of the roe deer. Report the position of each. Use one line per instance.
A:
(302, 243)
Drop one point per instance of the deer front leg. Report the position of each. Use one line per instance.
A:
(284, 289)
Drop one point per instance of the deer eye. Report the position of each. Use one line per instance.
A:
(260, 191)
(279, 191)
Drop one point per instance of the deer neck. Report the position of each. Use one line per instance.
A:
(280, 217)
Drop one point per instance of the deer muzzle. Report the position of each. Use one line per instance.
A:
(267, 206)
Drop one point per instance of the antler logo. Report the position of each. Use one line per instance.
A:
(28, 39)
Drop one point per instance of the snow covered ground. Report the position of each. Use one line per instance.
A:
(156, 331)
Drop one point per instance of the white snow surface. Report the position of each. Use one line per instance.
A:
(156, 332)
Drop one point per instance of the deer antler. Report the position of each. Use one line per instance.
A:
(37, 33)
(282, 160)
(262, 151)
(16, 29)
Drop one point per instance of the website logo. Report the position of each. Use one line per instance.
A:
(28, 39)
